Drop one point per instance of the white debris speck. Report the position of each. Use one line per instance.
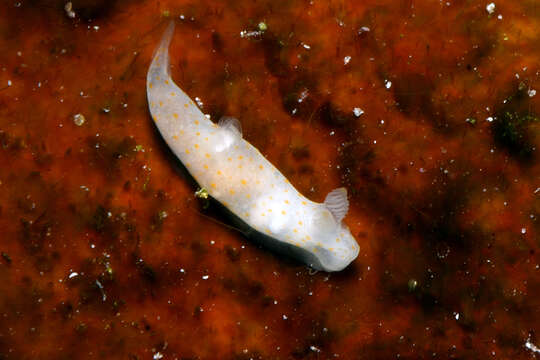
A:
(9, 83)
(314, 348)
(285, 317)
(332, 133)
(69, 10)
(346, 60)
(456, 316)
(306, 46)
(529, 345)
(499, 17)
(357, 111)
(247, 34)
(363, 29)
(199, 101)
(523, 230)
(73, 274)
(96, 28)
(490, 8)
(182, 271)
(489, 119)
(387, 84)
(303, 95)
(531, 92)
(205, 277)
(79, 119)
(158, 356)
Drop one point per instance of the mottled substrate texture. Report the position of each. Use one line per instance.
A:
(105, 252)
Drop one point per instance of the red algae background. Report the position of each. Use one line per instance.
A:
(427, 111)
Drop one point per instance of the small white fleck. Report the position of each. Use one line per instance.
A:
(490, 8)
(72, 275)
(529, 345)
(306, 46)
(285, 317)
(199, 101)
(387, 84)
(158, 356)
(531, 92)
(205, 277)
(523, 230)
(69, 10)
(332, 133)
(182, 271)
(456, 316)
(303, 95)
(357, 111)
(9, 83)
(363, 29)
(499, 17)
(489, 119)
(314, 349)
(346, 60)
(247, 34)
(79, 119)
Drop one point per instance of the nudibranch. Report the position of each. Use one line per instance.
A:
(238, 176)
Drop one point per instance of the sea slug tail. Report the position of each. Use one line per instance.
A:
(160, 61)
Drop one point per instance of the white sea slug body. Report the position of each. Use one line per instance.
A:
(238, 176)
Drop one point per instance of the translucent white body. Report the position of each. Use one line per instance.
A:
(237, 175)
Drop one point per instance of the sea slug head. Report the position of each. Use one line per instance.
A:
(335, 249)
(335, 245)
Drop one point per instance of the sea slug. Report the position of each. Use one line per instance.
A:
(238, 176)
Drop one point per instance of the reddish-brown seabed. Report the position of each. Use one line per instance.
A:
(107, 254)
